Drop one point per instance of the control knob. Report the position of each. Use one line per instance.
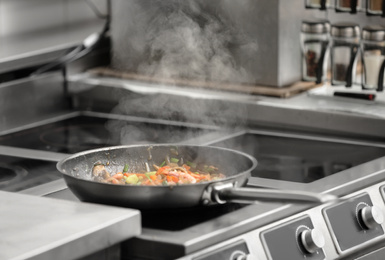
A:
(238, 255)
(312, 240)
(371, 216)
(241, 257)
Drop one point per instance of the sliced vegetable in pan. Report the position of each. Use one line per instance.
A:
(172, 171)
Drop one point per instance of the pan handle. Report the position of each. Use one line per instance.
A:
(227, 193)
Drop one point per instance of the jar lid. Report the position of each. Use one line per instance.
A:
(373, 33)
(345, 30)
(315, 26)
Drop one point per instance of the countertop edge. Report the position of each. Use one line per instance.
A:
(78, 238)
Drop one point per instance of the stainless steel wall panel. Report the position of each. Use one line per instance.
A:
(33, 32)
(271, 27)
(27, 101)
(31, 16)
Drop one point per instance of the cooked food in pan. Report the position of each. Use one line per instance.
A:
(172, 171)
(130, 166)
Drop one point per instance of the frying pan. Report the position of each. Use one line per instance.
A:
(237, 166)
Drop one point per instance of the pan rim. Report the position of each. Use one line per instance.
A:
(253, 161)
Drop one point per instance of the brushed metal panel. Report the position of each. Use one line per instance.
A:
(26, 101)
(25, 16)
(132, 33)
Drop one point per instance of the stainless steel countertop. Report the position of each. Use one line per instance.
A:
(44, 228)
(334, 115)
(25, 50)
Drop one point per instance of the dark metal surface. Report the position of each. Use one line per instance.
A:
(300, 158)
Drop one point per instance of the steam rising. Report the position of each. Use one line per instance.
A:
(179, 39)
(184, 49)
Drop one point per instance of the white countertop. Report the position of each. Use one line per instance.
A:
(44, 228)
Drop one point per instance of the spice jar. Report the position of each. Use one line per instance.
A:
(373, 57)
(351, 6)
(314, 48)
(375, 7)
(317, 4)
(344, 53)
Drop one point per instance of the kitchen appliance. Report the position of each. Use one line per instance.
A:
(299, 149)
(22, 173)
(77, 132)
(298, 161)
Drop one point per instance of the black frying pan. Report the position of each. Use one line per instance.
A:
(237, 167)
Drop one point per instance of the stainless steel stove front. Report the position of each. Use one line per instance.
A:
(252, 231)
(350, 229)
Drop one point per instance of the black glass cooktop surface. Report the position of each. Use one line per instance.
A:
(17, 174)
(301, 160)
(87, 132)
(179, 219)
(170, 219)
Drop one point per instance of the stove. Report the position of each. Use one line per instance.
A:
(307, 147)
(19, 173)
(74, 133)
(300, 158)
(351, 169)
(77, 132)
